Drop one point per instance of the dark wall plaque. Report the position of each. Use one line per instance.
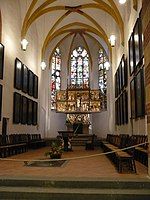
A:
(30, 82)
(140, 94)
(17, 108)
(29, 115)
(1, 94)
(1, 60)
(35, 87)
(136, 42)
(35, 112)
(125, 106)
(131, 54)
(24, 109)
(132, 98)
(18, 74)
(24, 78)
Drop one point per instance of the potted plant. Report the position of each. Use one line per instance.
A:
(56, 151)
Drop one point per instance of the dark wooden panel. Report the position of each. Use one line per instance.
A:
(140, 94)
(132, 98)
(1, 60)
(18, 74)
(1, 95)
(24, 109)
(30, 110)
(35, 113)
(24, 78)
(35, 87)
(30, 82)
(17, 108)
(131, 54)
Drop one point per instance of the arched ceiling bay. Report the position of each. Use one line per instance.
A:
(98, 18)
(77, 39)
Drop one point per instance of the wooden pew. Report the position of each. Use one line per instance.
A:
(122, 160)
(35, 141)
(12, 145)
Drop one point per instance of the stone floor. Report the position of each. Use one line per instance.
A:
(91, 167)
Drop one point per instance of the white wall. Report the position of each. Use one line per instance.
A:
(56, 121)
(11, 31)
(49, 122)
(137, 126)
(100, 124)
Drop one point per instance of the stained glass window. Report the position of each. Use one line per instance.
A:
(102, 62)
(79, 68)
(55, 76)
(103, 65)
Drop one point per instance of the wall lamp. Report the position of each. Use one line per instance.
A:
(24, 44)
(112, 40)
(43, 65)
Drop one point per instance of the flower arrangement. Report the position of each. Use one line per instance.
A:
(55, 151)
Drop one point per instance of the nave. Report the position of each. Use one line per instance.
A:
(79, 66)
(94, 167)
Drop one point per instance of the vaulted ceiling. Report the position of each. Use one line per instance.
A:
(57, 20)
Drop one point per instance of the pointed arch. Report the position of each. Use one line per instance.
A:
(114, 13)
(58, 22)
(87, 48)
(81, 13)
(72, 33)
(135, 4)
(29, 11)
(71, 45)
(79, 68)
(58, 44)
(80, 30)
(93, 38)
(65, 28)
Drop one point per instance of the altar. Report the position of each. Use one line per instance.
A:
(66, 134)
(78, 128)
(79, 123)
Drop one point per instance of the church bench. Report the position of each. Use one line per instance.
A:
(122, 160)
(19, 143)
(12, 149)
(125, 161)
(12, 145)
(140, 153)
(35, 141)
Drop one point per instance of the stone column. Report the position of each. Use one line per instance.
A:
(146, 32)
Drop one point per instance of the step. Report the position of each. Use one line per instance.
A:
(34, 193)
(77, 183)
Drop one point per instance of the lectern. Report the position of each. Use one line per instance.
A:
(65, 135)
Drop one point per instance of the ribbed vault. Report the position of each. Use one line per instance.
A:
(92, 17)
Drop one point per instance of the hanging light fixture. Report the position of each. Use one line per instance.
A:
(122, 1)
(43, 65)
(107, 65)
(112, 40)
(24, 44)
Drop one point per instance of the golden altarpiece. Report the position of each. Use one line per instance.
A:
(78, 101)
(78, 104)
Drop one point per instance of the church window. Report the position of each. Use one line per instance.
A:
(79, 68)
(102, 60)
(55, 76)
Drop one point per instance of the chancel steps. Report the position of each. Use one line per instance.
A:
(80, 139)
(75, 189)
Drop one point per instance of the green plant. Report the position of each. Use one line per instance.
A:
(55, 151)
